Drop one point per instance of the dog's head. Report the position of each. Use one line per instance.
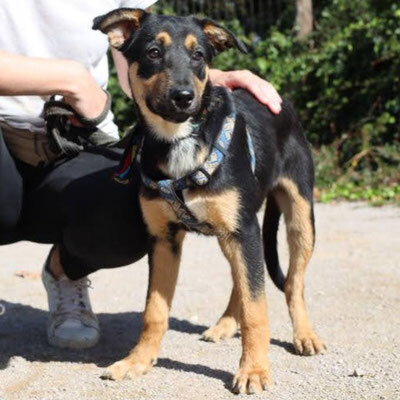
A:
(168, 61)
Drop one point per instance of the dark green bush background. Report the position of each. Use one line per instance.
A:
(345, 83)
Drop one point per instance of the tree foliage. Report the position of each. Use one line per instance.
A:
(344, 81)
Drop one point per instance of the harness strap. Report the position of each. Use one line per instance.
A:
(124, 173)
(167, 189)
(252, 152)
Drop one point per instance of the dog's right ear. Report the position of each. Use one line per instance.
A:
(120, 24)
(219, 37)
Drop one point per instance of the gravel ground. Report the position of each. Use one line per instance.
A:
(353, 294)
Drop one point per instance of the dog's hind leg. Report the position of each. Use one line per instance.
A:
(244, 253)
(299, 220)
(227, 325)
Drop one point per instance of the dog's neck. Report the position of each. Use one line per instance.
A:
(191, 142)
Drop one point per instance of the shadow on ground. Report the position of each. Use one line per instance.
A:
(23, 334)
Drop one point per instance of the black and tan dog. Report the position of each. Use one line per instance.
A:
(191, 182)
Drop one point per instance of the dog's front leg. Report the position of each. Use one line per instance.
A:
(164, 262)
(244, 253)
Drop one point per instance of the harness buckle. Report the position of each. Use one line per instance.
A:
(201, 177)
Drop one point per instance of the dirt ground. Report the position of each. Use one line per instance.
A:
(353, 295)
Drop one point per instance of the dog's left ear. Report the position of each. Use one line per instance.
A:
(120, 24)
(220, 37)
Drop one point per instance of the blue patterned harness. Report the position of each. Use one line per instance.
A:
(168, 188)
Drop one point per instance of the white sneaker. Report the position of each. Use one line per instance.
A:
(72, 323)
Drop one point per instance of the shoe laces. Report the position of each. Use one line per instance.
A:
(72, 297)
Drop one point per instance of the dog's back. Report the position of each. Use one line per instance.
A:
(280, 145)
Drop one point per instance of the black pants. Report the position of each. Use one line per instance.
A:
(96, 222)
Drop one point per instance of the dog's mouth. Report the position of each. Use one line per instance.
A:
(170, 113)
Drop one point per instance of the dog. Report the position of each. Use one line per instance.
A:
(208, 160)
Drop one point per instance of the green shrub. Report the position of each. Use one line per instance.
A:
(345, 80)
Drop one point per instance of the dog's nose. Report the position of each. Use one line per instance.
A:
(182, 98)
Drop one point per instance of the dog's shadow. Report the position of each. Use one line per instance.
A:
(22, 334)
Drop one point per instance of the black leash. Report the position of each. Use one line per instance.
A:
(68, 140)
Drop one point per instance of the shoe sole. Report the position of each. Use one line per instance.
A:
(67, 344)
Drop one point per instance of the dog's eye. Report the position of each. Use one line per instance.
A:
(197, 55)
(154, 54)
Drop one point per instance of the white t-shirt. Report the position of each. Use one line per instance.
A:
(55, 29)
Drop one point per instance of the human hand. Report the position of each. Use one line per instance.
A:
(262, 90)
(84, 95)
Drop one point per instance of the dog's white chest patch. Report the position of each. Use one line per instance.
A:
(182, 158)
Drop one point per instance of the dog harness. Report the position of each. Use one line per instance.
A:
(169, 188)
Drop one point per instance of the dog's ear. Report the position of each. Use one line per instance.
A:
(120, 24)
(220, 37)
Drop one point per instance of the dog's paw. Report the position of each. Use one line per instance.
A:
(308, 344)
(251, 381)
(116, 371)
(125, 369)
(224, 329)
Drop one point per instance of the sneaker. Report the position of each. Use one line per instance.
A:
(72, 323)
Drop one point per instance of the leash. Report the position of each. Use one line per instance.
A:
(66, 138)
(59, 108)
(168, 188)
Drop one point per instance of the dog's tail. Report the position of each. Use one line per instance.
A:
(270, 232)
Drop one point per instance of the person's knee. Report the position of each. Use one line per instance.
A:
(10, 209)
(9, 218)
(11, 191)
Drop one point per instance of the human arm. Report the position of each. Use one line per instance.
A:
(121, 65)
(262, 90)
(21, 75)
